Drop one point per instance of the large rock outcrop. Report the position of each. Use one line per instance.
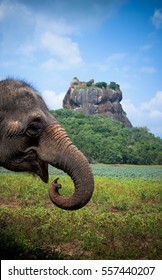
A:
(93, 99)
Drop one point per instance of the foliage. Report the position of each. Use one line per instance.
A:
(101, 84)
(114, 86)
(122, 221)
(90, 83)
(104, 140)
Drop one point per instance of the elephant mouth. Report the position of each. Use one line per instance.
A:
(34, 164)
(41, 170)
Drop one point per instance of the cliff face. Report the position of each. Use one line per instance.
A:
(95, 100)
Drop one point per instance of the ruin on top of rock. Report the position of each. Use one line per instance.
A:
(96, 98)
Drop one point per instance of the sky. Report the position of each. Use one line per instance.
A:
(47, 43)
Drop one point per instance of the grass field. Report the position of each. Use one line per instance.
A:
(122, 221)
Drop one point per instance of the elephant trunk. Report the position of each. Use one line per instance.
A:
(63, 154)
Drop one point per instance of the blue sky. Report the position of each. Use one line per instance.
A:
(49, 42)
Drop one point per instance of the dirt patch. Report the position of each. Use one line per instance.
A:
(73, 249)
(9, 203)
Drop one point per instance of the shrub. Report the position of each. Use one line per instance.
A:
(114, 86)
(90, 83)
(101, 85)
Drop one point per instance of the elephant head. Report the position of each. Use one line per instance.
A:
(31, 138)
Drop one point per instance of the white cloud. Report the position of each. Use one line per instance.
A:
(29, 35)
(156, 114)
(151, 108)
(155, 104)
(146, 114)
(52, 99)
(130, 108)
(157, 18)
(62, 48)
(57, 26)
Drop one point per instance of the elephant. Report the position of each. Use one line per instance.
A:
(31, 138)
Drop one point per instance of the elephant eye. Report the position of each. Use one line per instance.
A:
(34, 128)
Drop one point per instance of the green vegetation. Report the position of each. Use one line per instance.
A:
(145, 172)
(128, 171)
(122, 221)
(101, 85)
(91, 83)
(104, 140)
(114, 86)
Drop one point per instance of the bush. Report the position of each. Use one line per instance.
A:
(101, 85)
(90, 83)
(114, 86)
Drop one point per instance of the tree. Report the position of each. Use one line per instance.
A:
(101, 85)
(107, 141)
(114, 86)
(90, 83)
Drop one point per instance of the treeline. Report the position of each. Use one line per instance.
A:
(112, 85)
(104, 140)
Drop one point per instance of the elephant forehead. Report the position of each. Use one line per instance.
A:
(26, 99)
(29, 101)
(18, 100)
(19, 96)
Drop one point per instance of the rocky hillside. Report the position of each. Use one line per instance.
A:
(98, 98)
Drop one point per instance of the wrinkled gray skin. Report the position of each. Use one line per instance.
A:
(31, 138)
